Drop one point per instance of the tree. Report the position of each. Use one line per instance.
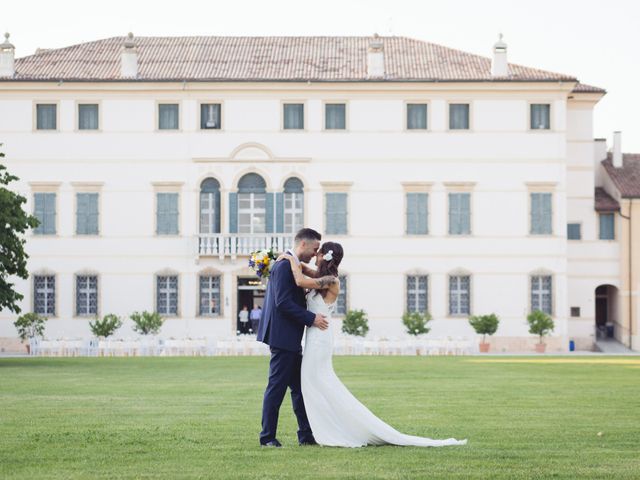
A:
(14, 222)
(105, 327)
(355, 323)
(416, 323)
(540, 323)
(146, 323)
(485, 325)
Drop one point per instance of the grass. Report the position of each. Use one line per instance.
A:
(77, 418)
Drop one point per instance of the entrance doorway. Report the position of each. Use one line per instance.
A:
(250, 295)
(606, 311)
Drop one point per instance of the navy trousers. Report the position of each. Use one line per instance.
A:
(284, 371)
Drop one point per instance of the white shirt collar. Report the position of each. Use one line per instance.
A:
(293, 254)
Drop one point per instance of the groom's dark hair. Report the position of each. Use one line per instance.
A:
(307, 234)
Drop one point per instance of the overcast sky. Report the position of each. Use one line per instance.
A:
(595, 40)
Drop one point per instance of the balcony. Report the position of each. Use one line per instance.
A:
(241, 244)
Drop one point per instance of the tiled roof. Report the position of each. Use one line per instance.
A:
(267, 59)
(584, 88)
(605, 202)
(626, 178)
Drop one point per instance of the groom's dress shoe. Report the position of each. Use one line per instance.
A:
(272, 443)
(308, 442)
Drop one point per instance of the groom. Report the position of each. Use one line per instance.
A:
(281, 327)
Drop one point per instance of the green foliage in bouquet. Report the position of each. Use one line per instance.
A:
(147, 323)
(416, 322)
(355, 323)
(106, 327)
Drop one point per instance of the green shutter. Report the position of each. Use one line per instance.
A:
(269, 207)
(233, 212)
(279, 212)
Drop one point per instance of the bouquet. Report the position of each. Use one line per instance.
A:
(261, 261)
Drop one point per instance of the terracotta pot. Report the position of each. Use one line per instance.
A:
(540, 347)
(484, 347)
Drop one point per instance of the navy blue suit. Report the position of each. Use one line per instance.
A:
(284, 317)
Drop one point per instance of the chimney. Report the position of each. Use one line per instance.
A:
(129, 58)
(7, 58)
(499, 66)
(617, 149)
(375, 58)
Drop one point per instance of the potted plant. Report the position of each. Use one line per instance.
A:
(484, 325)
(30, 325)
(146, 323)
(105, 327)
(416, 324)
(540, 324)
(355, 323)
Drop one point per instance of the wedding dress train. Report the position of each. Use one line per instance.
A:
(337, 418)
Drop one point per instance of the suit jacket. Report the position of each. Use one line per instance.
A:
(284, 313)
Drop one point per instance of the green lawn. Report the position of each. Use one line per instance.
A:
(200, 417)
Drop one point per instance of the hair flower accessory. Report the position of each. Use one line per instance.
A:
(328, 256)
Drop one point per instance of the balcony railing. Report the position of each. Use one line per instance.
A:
(235, 244)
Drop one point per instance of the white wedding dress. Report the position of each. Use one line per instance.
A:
(337, 418)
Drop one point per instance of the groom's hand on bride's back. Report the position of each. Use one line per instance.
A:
(320, 322)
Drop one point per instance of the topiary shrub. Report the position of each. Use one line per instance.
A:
(540, 323)
(484, 324)
(416, 322)
(355, 323)
(147, 323)
(106, 327)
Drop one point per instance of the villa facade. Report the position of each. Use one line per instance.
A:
(457, 184)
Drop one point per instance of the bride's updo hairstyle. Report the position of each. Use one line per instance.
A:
(330, 267)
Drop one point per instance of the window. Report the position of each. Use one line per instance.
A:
(44, 298)
(540, 214)
(88, 117)
(167, 295)
(416, 116)
(86, 295)
(46, 116)
(540, 116)
(167, 213)
(252, 204)
(336, 213)
(210, 118)
(460, 213)
(459, 294)
(293, 116)
(417, 211)
(293, 205)
(210, 206)
(541, 293)
(209, 295)
(417, 286)
(86, 213)
(335, 116)
(45, 212)
(574, 231)
(168, 116)
(575, 311)
(607, 226)
(458, 116)
(341, 305)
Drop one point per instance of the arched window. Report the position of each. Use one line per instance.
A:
(293, 205)
(210, 206)
(252, 204)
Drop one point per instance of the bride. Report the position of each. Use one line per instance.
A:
(337, 418)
